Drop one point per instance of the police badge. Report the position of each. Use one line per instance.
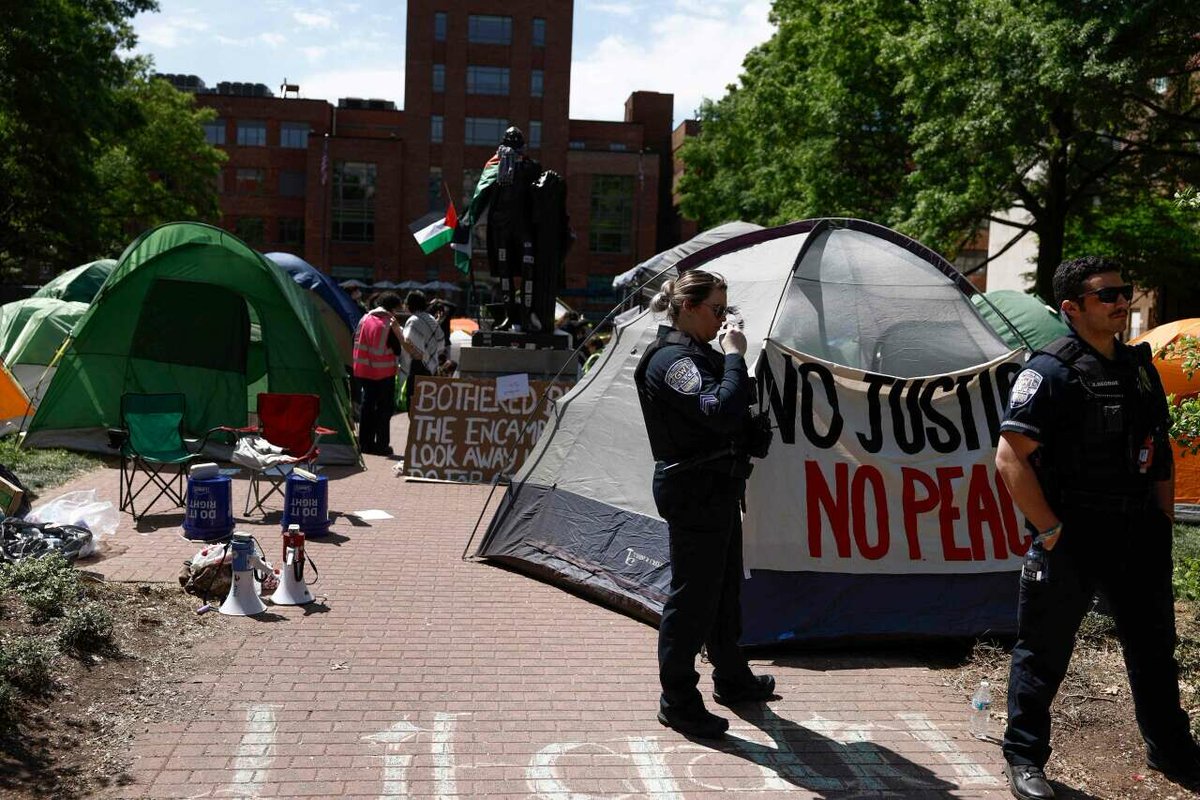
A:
(684, 377)
(1024, 388)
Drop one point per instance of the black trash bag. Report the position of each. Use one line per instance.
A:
(20, 540)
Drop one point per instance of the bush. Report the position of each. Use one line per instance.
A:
(1186, 579)
(87, 629)
(8, 704)
(25, 661)
(50, 586)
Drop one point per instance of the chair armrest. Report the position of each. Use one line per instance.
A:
(117, 438)
(320, 431)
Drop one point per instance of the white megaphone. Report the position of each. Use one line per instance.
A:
(292, 590)
(243, 599)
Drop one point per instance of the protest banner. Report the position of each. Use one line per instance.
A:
(875, 474)
(460, 430)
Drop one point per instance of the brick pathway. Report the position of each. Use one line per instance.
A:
(423, 675)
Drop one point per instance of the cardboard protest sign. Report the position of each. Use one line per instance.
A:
(459, 429)
(874, 474)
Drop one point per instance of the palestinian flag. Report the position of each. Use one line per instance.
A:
(475, 210)
(434, 230)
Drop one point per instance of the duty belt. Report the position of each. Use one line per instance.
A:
(1108, 501)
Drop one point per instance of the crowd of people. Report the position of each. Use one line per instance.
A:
(391, 347)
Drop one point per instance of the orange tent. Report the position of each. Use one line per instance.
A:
(1176, 382)
(14, 404)
(464, 324)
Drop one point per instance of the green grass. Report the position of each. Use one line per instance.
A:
(1187, 562)
(42, 469)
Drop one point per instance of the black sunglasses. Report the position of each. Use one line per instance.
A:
(1109, 294)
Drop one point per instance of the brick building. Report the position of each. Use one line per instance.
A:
(338, 184)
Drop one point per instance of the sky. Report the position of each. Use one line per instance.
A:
(338, 48)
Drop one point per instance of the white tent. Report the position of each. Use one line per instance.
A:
(852, 530)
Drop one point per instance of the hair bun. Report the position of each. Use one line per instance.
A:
(662, 300)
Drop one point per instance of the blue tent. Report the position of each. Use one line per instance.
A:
(326, 287)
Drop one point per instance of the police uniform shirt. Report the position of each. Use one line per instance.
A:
(706, 395)
(1047, 403)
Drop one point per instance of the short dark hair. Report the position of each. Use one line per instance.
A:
(388, 300)
(1070, 275)
(416, 301)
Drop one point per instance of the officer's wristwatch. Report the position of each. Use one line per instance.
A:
(1048, 534)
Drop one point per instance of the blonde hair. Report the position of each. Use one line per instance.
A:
(694, 286)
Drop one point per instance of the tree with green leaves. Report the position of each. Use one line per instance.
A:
(159, 169)
(933, 116)
(91, 149)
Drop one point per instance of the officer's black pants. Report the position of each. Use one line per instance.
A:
(1128, 557)
(375, 417)
(704, 519)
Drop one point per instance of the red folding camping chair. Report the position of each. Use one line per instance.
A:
(288, 421)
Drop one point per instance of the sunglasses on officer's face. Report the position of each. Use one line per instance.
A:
(1109, 294)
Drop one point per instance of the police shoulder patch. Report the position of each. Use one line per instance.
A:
(684, 377)
(1024, 388)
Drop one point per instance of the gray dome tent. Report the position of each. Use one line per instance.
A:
(844, 298)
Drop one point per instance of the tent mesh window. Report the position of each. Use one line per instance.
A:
(861, 301)
(211, 320)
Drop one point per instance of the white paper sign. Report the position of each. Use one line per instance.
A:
(510, 387)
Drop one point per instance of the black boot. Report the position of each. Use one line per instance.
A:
(1028, 782)
(762, 688)
(698, 722)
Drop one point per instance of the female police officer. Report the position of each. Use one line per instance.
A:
(696, 405)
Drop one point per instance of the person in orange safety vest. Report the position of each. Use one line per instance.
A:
(377, 341)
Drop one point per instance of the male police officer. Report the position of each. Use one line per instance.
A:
(1085, 454)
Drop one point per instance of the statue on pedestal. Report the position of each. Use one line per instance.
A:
(526, 230)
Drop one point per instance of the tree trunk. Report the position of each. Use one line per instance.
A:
(1052, 221)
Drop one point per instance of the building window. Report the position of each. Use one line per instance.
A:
(249, 181)
(433, 190)
(535, 134)
(611, 229)
(575, 144)
(291, 231)
(439, 78)
(250, 230)
(537, 83)
(487, 80)
(344, 272)
(439, 26)
(618, 147)
(486, 29)
(252, 133)
(485, 130)
(353, 201)
(437, 128)
(293, 134)
(292, 183)
(470, 180)
(214, 131)
(539, 32)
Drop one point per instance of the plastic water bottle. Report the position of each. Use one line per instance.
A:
(981, 705)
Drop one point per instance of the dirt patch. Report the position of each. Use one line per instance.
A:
(1098, 751)
(74, 740)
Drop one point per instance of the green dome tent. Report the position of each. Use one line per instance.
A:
(79, 284)
(190, 308)
(31, 332)
(1037, 322)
